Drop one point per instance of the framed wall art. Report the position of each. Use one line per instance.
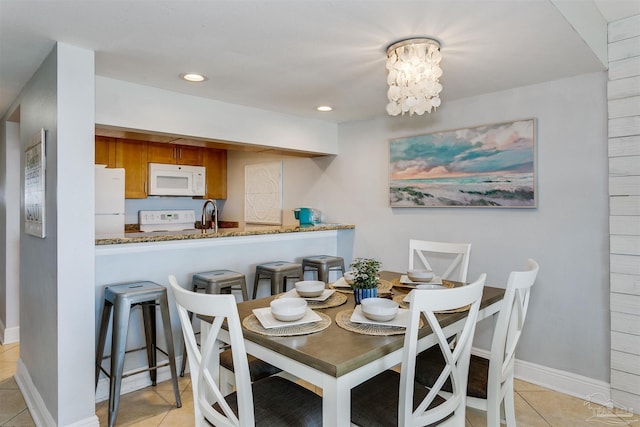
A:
(34, 186)
(484, 166)
(263, 193)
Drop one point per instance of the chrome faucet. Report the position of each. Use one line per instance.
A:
(203, 221)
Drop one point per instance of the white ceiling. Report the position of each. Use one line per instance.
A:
(293, 55)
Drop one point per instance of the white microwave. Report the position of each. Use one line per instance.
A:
(176, 180)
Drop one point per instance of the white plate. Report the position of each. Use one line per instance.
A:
(435, 281)
(322, 297)
(341, 283)
(267, 320)
(407, 299)
(423, 286)
(401, 320)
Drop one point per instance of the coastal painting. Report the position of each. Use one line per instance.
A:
(485, 166)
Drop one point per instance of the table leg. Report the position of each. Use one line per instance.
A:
(336, 404)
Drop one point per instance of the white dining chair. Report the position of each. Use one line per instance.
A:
(267, 402)
(490, 384)
(392, 399)
(451, 257)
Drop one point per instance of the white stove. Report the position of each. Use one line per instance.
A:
(170, 220)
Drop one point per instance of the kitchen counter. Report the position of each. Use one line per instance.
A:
(153, 256)
(250, 230)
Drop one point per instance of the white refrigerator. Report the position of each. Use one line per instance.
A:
(109, 202)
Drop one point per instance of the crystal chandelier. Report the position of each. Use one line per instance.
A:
(414, 70)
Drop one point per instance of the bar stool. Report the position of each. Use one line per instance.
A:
(278, 272)
(120, 299)
(323, 264)
(215, 282)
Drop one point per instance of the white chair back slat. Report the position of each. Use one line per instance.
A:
(428, 303)
(202, 361)
(507, 332)
(421, 249)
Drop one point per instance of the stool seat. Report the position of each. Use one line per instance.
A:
(278, 272)
(323, 264)
(120, 299)
(213, 282)
(133, 293)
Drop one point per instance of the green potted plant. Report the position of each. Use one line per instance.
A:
(365, 278)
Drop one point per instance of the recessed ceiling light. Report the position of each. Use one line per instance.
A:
(324, 108)
(193, 77)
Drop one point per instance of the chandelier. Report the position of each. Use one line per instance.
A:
(414, 71)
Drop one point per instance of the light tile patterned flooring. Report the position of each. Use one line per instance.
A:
(154, 406)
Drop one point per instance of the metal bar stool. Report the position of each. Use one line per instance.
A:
(120, 299)
(278, 272)
(323, 264)
(215, 282)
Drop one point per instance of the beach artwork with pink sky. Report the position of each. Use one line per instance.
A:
(484, 166)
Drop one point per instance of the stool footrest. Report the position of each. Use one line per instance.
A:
(152, 368)
(161, 365)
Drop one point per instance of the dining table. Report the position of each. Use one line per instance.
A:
(336, 359)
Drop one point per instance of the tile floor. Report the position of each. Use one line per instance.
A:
(154, 406)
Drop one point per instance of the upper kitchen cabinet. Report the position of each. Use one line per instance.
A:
(175, 154)
(132, 156)
(105, 153)
(216, 163)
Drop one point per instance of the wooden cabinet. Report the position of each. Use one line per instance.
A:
(105, 151)
(216, 163)
(132, 156)
(175, 154)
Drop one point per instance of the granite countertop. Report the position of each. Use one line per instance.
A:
(250, 230)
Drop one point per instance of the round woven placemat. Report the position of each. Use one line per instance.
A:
(384, 287)
(334, 300)
(343, 319)
(403, 304)
(252, 323)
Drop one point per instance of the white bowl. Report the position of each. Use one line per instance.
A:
(418, 275)
(288, 309)
(349, 276)
(379, 309)
(309, 288)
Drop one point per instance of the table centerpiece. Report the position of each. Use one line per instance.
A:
(365, 278)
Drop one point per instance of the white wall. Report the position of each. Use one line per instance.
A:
(134, 106)
(567, 327)
(56, 366)
(9, 232)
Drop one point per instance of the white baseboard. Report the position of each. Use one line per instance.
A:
(37, 408)
(9, 335)
(588, 389)
(134, 382)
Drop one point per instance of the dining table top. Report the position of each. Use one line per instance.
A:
(336, 351)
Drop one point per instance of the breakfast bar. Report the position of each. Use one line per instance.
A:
(153, 256)
(195, 234)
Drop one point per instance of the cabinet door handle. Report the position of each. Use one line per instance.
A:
(180, 153)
